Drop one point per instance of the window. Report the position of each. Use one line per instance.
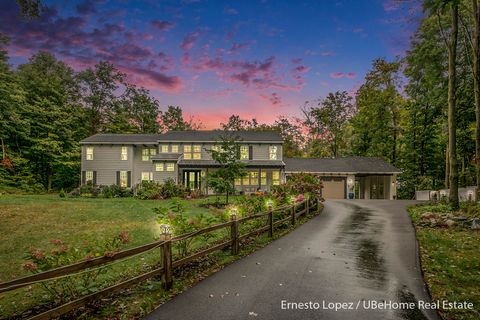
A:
(88, 176)
(243, 152)
(170, 166)
(147, 176)
(254, 178)
(238, 182)
(263, 178)
(276, 178)
(159, 167)
(145, 155)
(273, 152)
(89, 153)
(187, 149)
(175, 148)
(246, 180)
(123, 179)
(164, 148)
(124, 155)
(187, 156)
(153, 151)
(197, 152)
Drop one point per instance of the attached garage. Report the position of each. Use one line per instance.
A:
(333, 188)
(349, 177)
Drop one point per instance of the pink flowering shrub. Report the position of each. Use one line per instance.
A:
(299, 184)
(60, 254)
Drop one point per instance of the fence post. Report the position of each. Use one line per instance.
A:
(167, 260)
(270, 222)
(308, 206)
(293, 213)
(234, 233)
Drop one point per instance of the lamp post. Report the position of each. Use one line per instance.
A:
(270, 217)
(234, 229)
(166, 250)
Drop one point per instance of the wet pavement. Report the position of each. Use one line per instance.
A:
(342, 264)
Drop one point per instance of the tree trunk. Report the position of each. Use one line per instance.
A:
(3, 149)
(476, 86)
(452, 109)
(447, 169)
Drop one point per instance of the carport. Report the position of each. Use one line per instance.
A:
(349, 177)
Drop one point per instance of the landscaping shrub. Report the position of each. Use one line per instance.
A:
(113, 191)
(299, 183)
(154, 190)
(60, 254)
(62, 193)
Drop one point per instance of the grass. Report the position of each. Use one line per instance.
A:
(450, 260)
(33, 220)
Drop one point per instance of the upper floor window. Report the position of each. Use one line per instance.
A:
(243, 152)
(124, 154)
(187, 152)
(272, 151)
(164, 148)
(89, 153)
(147, 152)
(174, 148)
(159, 166)
(197, 152)
(170, 166)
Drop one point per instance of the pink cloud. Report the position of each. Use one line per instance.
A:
(339, 75)
(162, 25)
(189, 40)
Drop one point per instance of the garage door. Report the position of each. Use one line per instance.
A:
(333, 188)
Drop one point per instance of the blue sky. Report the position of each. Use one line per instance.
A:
(257, 59)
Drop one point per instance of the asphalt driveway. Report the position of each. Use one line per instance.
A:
(357, 253)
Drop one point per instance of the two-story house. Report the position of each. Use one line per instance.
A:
(128, 159)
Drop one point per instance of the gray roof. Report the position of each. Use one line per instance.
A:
(166, 156)
(358, 165)
(121, 138)
(249, 163)
(215, 135)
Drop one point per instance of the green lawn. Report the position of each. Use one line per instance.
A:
(29, 220)
(450, 261)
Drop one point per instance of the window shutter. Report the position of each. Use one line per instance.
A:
(84, 177)
(250, 152)
(94, 178)
(129, 179)
(118, 178)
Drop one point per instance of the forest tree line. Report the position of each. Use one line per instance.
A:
(406, 111)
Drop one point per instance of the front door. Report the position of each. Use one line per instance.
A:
(191, 179)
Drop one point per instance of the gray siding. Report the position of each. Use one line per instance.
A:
(106, 162)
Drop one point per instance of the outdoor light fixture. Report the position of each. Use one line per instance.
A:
(165, 229)
(233, 212)
(270, 204)
(350, 181)
(293, 199)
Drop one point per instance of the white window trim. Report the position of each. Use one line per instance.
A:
(146, 174)
(170, 165)
(88, 176)
(160, 166)
(244, 156)
(272, 155)
(162, 147)
(89, 155)
(124, 155)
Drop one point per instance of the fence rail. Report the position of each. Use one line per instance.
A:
(167, 263)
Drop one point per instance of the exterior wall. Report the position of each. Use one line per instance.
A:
(140, 166)
(106, 162)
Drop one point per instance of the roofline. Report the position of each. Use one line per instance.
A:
(216, 141)
(349, 172)
(116, 142)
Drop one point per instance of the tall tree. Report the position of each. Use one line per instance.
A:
(99, 94)
(326, 118)
(291, 132)
(173, 119)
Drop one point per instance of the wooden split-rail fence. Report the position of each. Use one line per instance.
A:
(167, 263)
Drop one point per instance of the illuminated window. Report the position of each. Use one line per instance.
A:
(238, 182)
(215, 148)
(145, 155)
(253, 178)
(175, 148)
(263, 178)
(89, 153)
(147, 176)
(197, 156)
(88, 176)
(197, 152)
(273, 152)
(187, 148)
(124, 155)
(243, 152)
(153, 151)
(276, 178)
(159, 167)
(246, 180)
(187, 156)
(164, 148)
(170, 166)
(123, 179)
(197, 148)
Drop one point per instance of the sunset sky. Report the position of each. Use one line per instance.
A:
(253, 58)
